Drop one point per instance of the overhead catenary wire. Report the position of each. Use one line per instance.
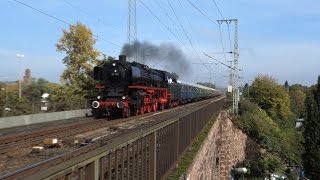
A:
(217, 7)
(199, 10)
(229, 37)
(174, 23)
(165, 11)
(219, 61)
(184, 31)
(88, 14)
(168, 28)
(221, 41)
(228, 52)
(60, 20)
(42, 12)
(215, 3)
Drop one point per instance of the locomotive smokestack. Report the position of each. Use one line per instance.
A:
(122, 58)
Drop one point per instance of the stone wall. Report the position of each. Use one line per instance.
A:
(225, 146)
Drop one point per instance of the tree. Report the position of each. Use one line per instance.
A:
(245, 91)
(298, 87)
(286, 86)
(311, 157)
(282, 145)
(297, 98)
(271, 96)
(81, 57)
(35, 89)
(2, 98)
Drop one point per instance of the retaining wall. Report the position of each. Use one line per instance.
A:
(225, 146)
(13, 121)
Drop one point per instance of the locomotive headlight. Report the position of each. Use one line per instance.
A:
(98, 97)
(120, 104)
(113, 64)
(95, 104)
(115, 70)
(123, 97)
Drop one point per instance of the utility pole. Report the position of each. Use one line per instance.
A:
(132, 27)
(20, 56)
(234, 70)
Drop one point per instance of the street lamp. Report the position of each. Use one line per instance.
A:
(20, 56)
(6, 86)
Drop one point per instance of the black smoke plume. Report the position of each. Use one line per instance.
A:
(166, 54)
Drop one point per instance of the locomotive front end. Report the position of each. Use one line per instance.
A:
(114, 77)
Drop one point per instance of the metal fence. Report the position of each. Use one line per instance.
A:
(148, 154)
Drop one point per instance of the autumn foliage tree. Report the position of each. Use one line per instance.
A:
(271, 96)
(81, 57)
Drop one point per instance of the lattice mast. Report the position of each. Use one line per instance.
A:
(132, 28)
(234, 74)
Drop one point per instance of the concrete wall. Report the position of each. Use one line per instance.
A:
(13, 121)
(225, 146)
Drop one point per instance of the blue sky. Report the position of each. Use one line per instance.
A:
(276, 37)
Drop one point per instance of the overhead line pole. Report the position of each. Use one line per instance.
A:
(235, 70)
(132, 27)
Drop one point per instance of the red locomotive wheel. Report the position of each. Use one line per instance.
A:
(136, 112)
(155, 107)
(142, 110)
(161, 107)
(126, 113)
(149, 109)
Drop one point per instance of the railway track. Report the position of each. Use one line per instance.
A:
(150, 119)
(34, 137)
(21, 140)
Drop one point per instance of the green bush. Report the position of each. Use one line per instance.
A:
(281, 142)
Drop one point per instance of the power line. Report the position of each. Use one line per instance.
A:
(42, 12)
(181, 7)
(165, 11)
(221, 41)
(215, 3)
(107, 41)
(88, 14)
(202, 13)
(229, 36)
(188, 37)
(228, 52)
(145, 6)
(219, 61)
(174, 23)
(60, 20)
(184, 31)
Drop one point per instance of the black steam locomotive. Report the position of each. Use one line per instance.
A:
(131, 88)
